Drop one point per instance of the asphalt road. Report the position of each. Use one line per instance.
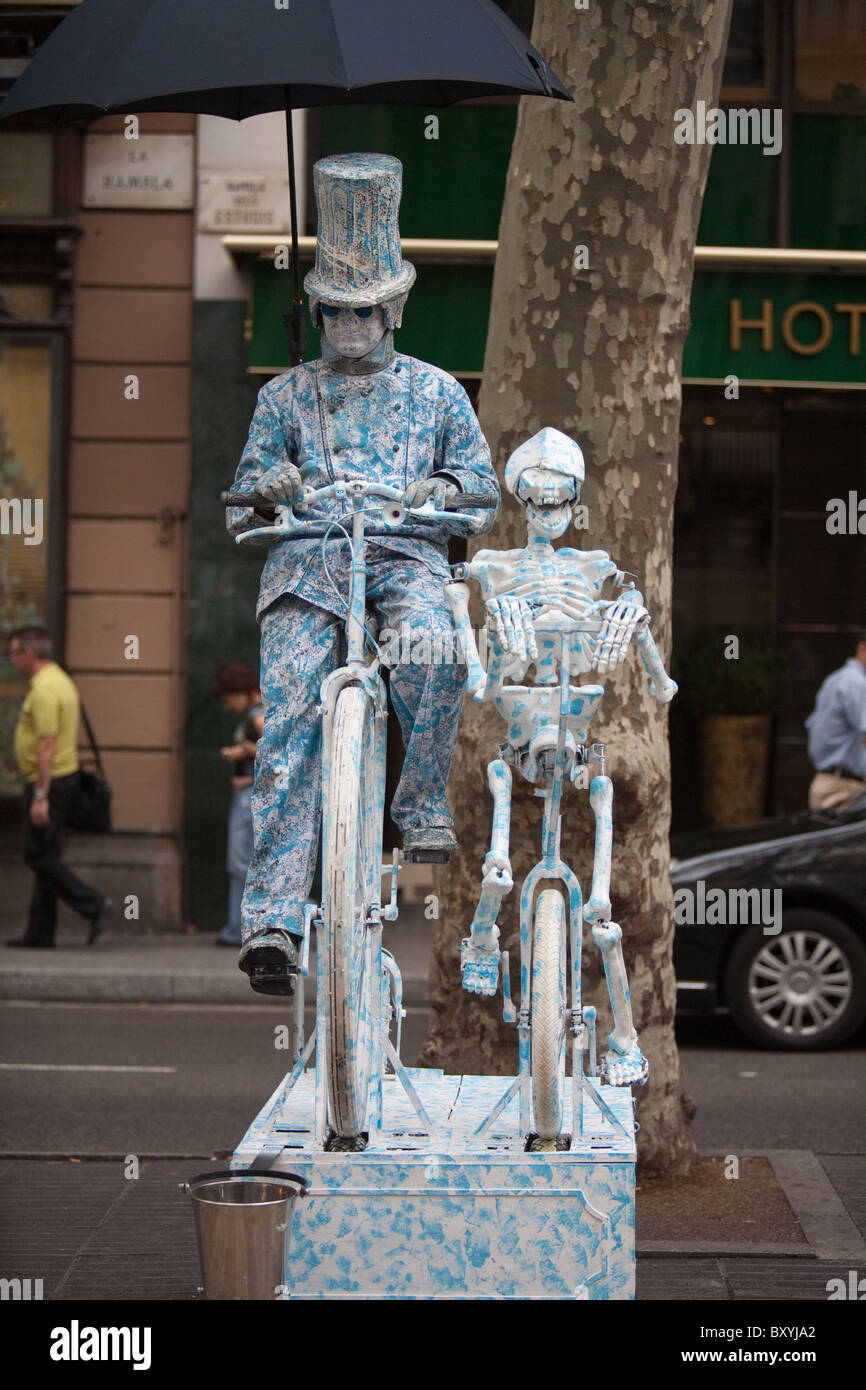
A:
(213, 1068)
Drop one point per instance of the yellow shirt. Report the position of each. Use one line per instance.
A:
(50, 707)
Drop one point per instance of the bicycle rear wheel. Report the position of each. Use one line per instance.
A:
(350, 874)
(547, 1013)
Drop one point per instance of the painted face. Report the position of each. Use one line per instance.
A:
(548, 498)
(353, 332)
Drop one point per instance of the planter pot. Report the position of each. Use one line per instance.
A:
(734, 750)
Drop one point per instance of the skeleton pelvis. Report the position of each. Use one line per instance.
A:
(529, 709)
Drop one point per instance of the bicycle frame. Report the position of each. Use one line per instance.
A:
(580, 1021)
(359, 669)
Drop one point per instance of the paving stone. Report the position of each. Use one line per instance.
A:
(662, 1278)
(783, 1280)
(847, 1173)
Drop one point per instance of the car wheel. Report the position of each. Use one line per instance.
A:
(801, 990)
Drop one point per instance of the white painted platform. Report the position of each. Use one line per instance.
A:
(446, 1215)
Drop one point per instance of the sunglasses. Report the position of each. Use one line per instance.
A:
(332, 311)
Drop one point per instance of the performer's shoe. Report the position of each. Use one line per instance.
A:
(428, 844)
(97, 923)
(270, 959)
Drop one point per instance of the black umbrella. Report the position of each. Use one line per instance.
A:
(239, 58)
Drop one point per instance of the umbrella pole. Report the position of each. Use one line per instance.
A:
(296, 325)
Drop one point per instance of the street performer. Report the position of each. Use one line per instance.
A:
(361, 410)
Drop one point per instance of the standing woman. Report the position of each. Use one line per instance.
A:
(237, 690)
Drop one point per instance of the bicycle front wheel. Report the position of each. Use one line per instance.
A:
(547, 1013)
(350, 872)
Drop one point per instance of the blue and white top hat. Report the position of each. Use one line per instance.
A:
(358, 258)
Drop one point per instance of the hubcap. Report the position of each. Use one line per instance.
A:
(800, 984)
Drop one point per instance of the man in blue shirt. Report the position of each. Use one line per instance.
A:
(837, 734)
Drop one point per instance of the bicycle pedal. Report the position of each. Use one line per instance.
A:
(426, 856)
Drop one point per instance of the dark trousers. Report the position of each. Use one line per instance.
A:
(42, 849)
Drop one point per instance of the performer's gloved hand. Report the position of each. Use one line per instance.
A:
(280, 485)
(436, 487)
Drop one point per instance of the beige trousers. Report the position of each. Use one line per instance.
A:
(829, 789)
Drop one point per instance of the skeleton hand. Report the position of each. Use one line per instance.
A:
(621, 621)
(664, 693)
(513, 625)
(479, 969)
(280, 485)
(418, 492)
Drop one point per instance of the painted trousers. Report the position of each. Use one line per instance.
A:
(301, 644)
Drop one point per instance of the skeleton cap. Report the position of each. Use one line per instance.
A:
(550, 450)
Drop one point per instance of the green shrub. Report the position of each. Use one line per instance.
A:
(754, 682)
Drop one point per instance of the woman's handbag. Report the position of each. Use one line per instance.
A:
(91, 805)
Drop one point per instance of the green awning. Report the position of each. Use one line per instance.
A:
(764, 327)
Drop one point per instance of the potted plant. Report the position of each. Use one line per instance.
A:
(734, 683)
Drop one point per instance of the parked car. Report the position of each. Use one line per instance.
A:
(778, 925)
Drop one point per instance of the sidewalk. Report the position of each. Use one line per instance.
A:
(801, 1219)
(177, 969)
(91, 1234)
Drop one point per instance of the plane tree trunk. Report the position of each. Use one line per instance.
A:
(591, 341)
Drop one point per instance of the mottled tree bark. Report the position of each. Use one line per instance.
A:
(596, 352)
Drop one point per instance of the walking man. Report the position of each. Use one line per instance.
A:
(837, 734)
(46, 750)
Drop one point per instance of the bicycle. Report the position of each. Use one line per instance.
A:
(358, 988)
(547, 744)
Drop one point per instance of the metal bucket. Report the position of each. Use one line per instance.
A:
(243, 1225)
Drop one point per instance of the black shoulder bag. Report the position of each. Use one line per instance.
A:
(91, 805)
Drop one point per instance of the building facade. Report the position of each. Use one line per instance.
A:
(142, 301)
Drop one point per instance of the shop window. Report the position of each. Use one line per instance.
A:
(828, 191)
(830, 51)
(28, 447)
(747, 67)
(26, 173)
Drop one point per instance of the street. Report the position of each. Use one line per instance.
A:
(220, 1064)
(88, 1088)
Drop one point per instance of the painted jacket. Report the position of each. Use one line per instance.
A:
(396, 425)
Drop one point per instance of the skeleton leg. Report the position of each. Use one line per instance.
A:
(601, 800)
(624, 1062)
(479, 952)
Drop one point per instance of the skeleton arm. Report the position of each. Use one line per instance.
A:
(458, 600)
(625, 619)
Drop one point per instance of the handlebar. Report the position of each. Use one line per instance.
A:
(309, 496)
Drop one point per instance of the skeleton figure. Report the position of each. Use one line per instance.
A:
(533, 599)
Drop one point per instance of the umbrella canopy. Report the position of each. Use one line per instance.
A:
(236, 58)
(239, 58)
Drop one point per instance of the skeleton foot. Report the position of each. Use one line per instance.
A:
(624, 1069)
(479, 968)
